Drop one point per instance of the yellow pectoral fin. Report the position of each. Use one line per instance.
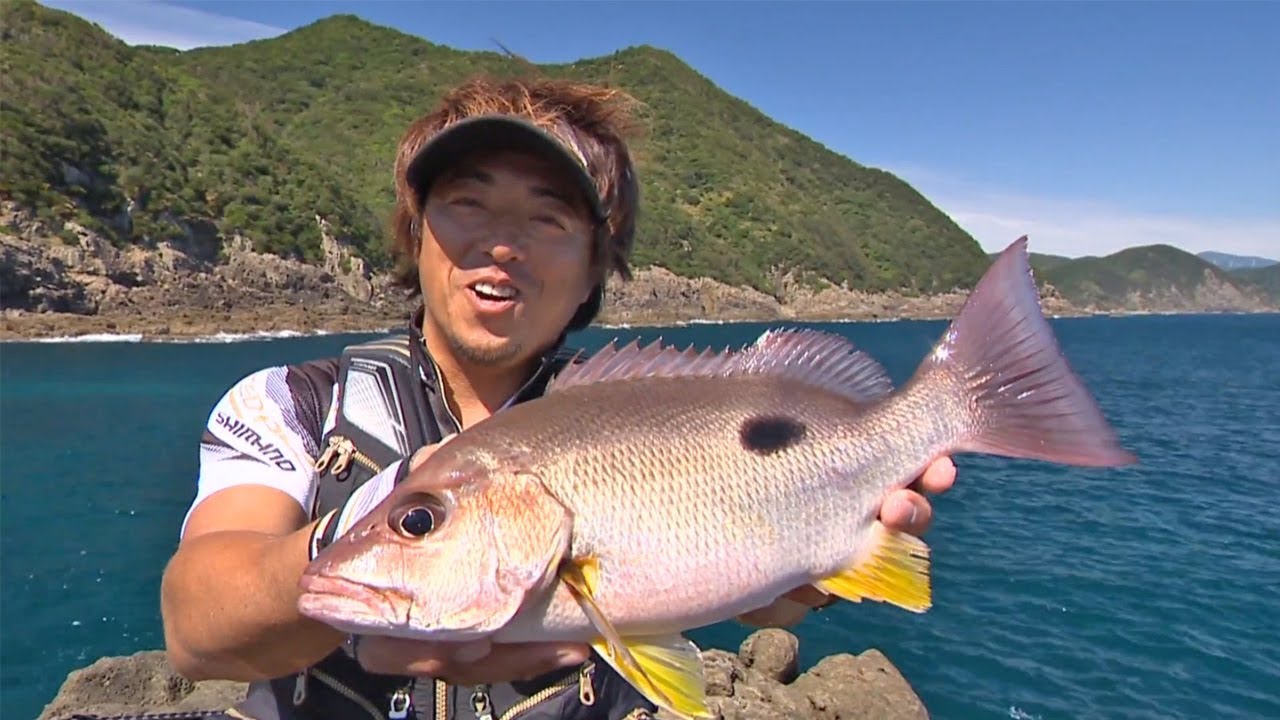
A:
(665, 669)
(895, 570)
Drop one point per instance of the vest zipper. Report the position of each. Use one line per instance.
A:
(398, 708)
(442, 700)
(481, 704)
(586, 686)
(347, 692)
(300, 688)
(586, 692)
(341, 451)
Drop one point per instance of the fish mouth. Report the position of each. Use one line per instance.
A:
(352, 606)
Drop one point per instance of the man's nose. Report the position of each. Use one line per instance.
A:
(506, 241)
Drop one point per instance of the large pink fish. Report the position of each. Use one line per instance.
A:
(654, 490)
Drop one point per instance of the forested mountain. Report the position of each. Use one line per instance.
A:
(258, 139)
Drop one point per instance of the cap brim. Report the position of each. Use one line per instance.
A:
(495, 132)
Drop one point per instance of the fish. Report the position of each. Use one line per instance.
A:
(653, 490)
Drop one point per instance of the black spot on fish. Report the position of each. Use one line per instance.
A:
(767, 434)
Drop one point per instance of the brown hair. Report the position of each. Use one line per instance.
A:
(596, 119)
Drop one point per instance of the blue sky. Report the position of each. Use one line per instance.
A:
(1089, 126)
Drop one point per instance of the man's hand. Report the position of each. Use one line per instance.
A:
(467, 663)
(905, 510)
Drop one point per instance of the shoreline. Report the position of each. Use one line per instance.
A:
(761, 679)
(177, 326)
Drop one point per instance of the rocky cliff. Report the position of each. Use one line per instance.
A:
(71, 281)
(761, 681)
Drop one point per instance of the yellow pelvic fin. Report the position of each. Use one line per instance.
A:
(895, 570)
(666, 669)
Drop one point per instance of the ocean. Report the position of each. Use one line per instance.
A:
(1143, 592)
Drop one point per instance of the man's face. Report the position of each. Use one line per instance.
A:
(505, 258)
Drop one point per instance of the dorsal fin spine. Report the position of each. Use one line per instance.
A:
(816, 358)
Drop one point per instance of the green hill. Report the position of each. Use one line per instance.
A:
(1040, 262)
(257, 139)
(1265, 279)
(1138, 276)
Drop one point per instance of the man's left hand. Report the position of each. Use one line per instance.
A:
(905, 510)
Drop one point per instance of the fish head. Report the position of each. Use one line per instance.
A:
(450, 555)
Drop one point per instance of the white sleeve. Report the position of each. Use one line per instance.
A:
(265, 431)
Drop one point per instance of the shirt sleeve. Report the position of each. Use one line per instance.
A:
(265, 430)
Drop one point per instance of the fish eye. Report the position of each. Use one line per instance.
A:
(417, 517)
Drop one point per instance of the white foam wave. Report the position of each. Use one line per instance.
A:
(90, 337)
(222, 337)
(226, 337)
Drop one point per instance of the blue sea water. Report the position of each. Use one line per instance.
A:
(1144, 592)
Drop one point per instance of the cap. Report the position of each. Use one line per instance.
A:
(493, 132)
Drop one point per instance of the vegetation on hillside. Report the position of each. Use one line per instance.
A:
(1265, 279)
(259, 138)
(125, 143)
(1146, 270)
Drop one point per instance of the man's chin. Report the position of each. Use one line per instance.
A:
(486, 351)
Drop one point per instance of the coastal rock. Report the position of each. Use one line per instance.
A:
(31, 281)
(142, 682)
(773, 654)
(75, 282)
(759, 682)
(657, 295)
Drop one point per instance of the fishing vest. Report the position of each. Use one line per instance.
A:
(390, 402)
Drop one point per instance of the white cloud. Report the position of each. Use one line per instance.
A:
(1065, 226)
(146, 22)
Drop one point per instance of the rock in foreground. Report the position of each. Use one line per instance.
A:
(760, 682)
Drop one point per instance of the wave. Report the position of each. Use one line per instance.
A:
(222, 337)
(90, 337)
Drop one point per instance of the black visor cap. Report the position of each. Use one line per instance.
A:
(505, 132)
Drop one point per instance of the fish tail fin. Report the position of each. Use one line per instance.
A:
(1000, 358)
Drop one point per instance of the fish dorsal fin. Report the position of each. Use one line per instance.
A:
(634, 361)
(821, 359)
(812, 357)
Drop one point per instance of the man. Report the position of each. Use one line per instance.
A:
(508, 227)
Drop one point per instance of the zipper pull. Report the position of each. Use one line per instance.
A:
(400, 701)
(300, 689)
(340, 448)
(326, 457)
(480, 703)
(586, 690)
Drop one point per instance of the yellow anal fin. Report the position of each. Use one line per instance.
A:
(666, 669)
(895, 569)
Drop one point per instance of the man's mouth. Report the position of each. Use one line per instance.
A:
(494, 295)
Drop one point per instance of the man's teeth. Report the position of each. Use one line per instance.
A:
(503, 292)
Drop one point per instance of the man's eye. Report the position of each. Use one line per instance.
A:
(465, 202)
(549, 220)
